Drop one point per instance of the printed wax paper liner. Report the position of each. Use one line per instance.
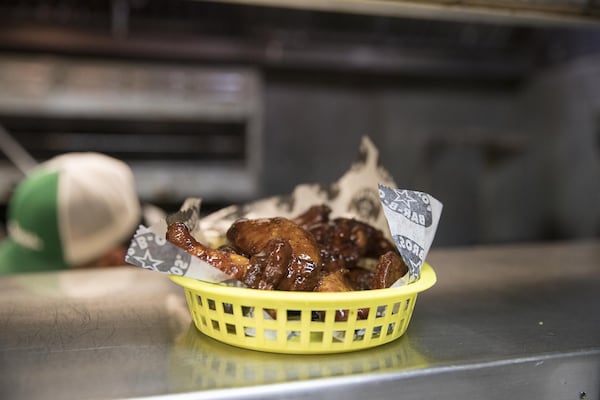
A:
(407, 217)
(413, 219)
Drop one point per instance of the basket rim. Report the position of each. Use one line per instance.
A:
(427, 279)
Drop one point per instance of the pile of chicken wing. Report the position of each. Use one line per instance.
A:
(311, 252)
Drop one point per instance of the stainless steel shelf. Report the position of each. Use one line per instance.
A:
(165, 120)
(522, 12)
(515, 321)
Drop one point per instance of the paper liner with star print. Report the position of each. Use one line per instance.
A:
(150, 250)
(407, 218)
(413, 219)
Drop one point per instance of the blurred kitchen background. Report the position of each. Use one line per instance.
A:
(493, 107)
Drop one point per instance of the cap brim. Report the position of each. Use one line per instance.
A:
(16, 259)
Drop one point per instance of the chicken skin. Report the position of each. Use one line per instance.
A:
(232, 264)
(251, 236)
(343, 241)
(389, 269)
(282, 255)
(263, 270)
(308, 253)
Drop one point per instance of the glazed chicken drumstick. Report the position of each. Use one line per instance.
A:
(309, 253)
(251, 236)
(232, 264)
(281, 255)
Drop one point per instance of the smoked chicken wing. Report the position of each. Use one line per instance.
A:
(308, 253)
(389, 269)
(232, 264)
(251, 236)
(337, 282)
(343, 241)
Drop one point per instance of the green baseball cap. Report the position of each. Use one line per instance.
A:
(68, 212)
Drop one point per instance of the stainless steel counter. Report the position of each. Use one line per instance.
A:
(519, 321)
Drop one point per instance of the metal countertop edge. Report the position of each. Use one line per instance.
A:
(280, 389)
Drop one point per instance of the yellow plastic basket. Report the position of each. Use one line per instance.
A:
(244, 317)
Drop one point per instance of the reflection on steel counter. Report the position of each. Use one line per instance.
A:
(198, 362)
(515, 321)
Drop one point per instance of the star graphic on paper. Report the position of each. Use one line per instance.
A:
(147, 261)
(404, 198)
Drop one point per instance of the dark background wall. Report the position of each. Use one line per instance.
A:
(497, 120)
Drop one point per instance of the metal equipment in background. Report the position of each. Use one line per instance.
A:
(184, 130)
(15, 152)
(489, 105)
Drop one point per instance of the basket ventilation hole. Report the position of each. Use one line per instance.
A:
(211, 304)
(199, 300)
(390, 329)
(228, 308)
(359, 335)
(376, 331)
(270, 334)
(293, 315)
(406, 305)
(246, 311)
(230, 329)
(381, 310)
(292, 334)
(345, 315)
(396, 308)
(270, 313)
(339, 335)
(215, 325)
